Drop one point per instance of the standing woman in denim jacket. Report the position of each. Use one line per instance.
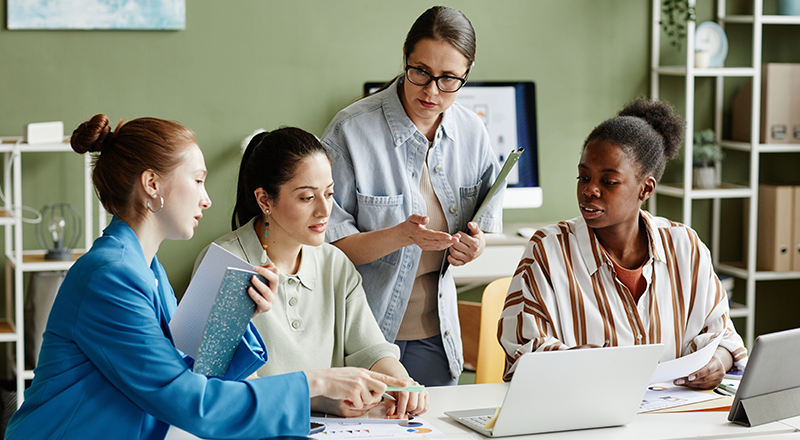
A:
(410, 166)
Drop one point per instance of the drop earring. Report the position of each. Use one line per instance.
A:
(264, 246)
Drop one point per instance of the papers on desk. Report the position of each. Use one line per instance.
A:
(664, 395)
(354, 429)
(686, 365)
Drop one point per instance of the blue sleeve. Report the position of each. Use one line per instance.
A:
(250, 355)
(121, 333)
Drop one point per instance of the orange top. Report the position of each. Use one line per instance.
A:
(632, 279)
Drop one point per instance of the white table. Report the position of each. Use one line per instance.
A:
(698, 425)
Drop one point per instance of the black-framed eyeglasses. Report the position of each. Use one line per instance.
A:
(445, 83)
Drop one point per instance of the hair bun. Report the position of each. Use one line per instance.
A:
(91, 136)
(664, 120)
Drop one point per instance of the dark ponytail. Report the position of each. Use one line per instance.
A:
(269, 161)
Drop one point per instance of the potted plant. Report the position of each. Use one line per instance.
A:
(675, 14)
(705, 154)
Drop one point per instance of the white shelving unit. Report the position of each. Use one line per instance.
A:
(19, 261)
(685, 191)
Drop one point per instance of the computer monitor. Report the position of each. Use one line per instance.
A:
(508, 108)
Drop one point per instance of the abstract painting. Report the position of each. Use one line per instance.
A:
(97, 14)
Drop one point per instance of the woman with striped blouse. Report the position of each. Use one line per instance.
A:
(616, 275)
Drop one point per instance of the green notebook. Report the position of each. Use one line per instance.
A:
(230, 315)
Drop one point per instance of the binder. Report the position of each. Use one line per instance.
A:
(775, 213)
(795, 249)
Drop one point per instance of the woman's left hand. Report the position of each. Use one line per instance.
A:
(405, 402)
(711, 375)
(264, 294)
(469, 247)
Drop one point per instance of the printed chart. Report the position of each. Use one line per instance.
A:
(368, 430)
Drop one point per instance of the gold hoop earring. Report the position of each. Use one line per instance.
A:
(159, 208)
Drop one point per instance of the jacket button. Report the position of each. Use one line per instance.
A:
(438, 168)
(453, 209)
(296, 324)
(293, 301)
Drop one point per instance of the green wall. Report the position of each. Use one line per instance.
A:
(247, 64)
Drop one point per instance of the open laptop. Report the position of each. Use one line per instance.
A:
(770, 386)
(570, 389)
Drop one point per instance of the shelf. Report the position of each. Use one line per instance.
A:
(5, 217)
(7, 145)
(725, 191)
(739, 310)
(765, 19)
(762, 148)
(738, 270)
(33, 261)
(710, 72)
(7, 332)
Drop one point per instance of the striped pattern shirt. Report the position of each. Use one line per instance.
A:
(565, 293)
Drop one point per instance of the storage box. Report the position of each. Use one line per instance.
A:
(795, 249)
(775, 220)
(780, 106)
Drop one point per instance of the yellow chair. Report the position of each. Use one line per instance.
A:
(491, 356)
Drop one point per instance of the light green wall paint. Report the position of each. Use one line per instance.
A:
(247, 64)
(242, 65)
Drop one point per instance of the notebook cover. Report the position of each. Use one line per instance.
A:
(230, 315)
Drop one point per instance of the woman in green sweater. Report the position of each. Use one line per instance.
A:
(320, 317)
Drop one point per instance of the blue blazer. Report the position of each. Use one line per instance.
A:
(108, 367)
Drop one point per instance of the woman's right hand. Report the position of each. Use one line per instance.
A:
(357, 388)
(264, 294)
(414, 231)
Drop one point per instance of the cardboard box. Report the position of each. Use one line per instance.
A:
(775, 219)
(780, 106)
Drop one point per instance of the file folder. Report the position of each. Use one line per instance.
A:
(775, 213)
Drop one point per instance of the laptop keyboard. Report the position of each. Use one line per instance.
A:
(476, 422)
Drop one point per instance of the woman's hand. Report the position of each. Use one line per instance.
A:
(415, 232)
(711, 375)
(357, 388)
(338, 407)
(415, 403)
(264, 294)
(469, 247)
